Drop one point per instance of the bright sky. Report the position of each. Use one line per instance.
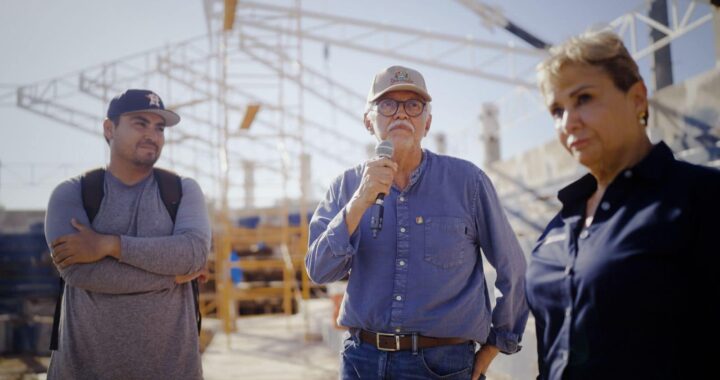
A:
(46, 39)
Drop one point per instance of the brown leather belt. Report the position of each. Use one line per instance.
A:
(392, 342)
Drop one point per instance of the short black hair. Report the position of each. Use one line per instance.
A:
(115, 120)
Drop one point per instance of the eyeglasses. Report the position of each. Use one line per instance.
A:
(389, 107)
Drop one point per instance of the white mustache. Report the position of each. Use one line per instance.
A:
(398, 123)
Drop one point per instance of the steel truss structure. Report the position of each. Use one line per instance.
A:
(212, 80)
(243, 91)
(684, 18)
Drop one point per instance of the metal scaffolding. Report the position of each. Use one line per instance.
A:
(213, 79)
(244, 87)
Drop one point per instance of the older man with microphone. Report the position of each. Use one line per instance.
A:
(408, 226)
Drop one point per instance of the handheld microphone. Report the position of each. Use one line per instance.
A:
(383, 149)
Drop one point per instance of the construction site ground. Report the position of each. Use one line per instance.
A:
(302, 346)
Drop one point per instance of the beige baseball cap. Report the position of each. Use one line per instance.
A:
(398, 78)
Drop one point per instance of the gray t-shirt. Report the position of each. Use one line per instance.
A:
(128, 319)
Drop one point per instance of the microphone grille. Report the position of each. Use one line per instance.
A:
(384, 149)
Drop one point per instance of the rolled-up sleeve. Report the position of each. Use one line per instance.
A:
(503, 252)
(331, 247)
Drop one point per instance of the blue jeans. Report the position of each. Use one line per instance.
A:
(361, 360)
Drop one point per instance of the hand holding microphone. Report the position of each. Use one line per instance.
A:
(384, 149)
(377, 177)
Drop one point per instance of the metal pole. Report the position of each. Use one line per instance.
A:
(662, 58)
(716, 29)
(1, 205)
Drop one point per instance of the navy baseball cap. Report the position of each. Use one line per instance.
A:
(134, 100)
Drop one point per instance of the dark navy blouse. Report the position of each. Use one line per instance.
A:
(615, 300)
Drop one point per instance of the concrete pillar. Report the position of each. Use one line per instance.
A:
(306, 175)
(490, 133)
(440, 143)
(249, 184)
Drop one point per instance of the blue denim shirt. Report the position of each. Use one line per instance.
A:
(424, 273)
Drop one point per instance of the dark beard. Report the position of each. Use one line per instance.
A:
(142, 162)
(145, 163)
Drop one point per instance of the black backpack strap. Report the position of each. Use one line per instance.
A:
(170, 186)
(92, 190)
(196, 298)
(56, 318)
(92, 186)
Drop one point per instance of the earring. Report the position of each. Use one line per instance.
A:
(642, 118)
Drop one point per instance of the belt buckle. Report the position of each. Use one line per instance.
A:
(397, 342)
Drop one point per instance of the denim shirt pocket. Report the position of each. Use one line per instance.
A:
(445, 241)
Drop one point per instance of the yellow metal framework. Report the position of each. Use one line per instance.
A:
(290, 241)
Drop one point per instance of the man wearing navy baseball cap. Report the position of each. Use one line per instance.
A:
(133, 101)
(129, 240)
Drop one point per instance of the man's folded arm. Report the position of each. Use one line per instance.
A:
(111, 277)
(106, 275)
(183, 252)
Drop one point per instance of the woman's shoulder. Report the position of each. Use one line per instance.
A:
(692, 174)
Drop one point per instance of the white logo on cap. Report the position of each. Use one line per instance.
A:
(401, 76)
(154, 99)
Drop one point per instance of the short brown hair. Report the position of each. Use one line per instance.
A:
(603, 49)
